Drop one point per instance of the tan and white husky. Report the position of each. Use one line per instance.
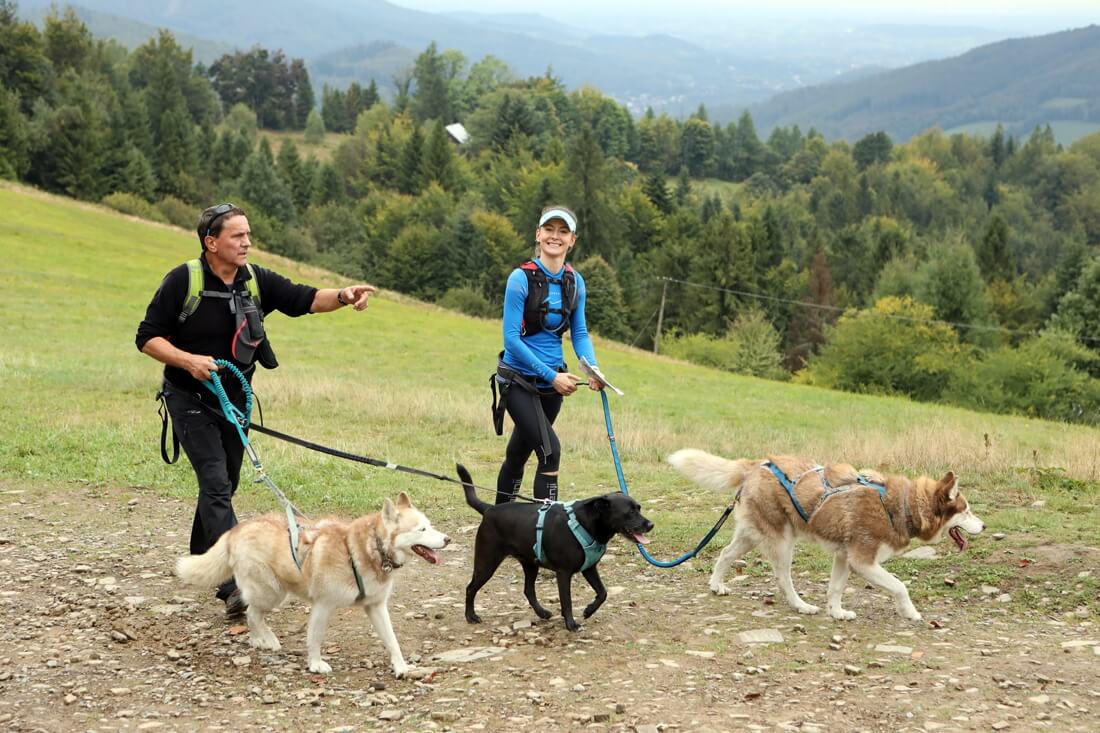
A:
(333, 553)
(860, 527)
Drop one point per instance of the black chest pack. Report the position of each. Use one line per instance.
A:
(250, 341)
(537, 306)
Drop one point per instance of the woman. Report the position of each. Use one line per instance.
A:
(544, 298)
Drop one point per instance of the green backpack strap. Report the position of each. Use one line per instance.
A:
(194, 288)
(195, 283)
(253, 284)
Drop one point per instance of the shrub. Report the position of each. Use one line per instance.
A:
(751, 347)
(468, 300)
(296, 243)
(178, 213)
(892, 348)
(1038, 379)
(128, 203)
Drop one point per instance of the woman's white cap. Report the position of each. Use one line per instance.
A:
(560, 214)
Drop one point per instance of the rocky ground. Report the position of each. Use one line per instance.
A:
(98, 635)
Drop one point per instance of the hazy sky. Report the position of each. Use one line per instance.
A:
(995, 12)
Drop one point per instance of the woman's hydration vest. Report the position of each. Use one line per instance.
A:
(537, 306)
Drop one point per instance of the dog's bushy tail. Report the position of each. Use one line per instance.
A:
(468, 486)
(208, 569)
(710, 471)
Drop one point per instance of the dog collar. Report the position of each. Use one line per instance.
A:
(388, 562)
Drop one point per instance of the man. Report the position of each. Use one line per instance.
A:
(213, 309)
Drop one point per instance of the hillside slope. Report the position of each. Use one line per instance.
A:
(1021, 83)
(406, 381)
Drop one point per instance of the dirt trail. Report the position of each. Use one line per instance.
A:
(98, 635)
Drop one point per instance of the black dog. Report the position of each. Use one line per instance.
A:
(509, 529)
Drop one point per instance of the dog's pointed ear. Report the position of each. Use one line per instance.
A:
(950, 485)
(403, 500)
(389, 511)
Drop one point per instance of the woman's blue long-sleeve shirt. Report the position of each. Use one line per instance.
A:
(540, 354)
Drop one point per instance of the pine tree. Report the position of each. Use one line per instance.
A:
(14, 137)
(264, 149)
(588, 183)
(304, 99)
(260, 184)
(289, 165)
(605, 310)
(746, 150)
(334, 111)
(24, 67)
(994, 256)
(655, 189)
(683, 186)
(438, 161)
(431, 100)
(69, 43)
(315, 128)
(409, 176)
(137, 176)
(997, 147)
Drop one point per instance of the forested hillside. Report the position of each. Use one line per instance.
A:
(1020, 82)
(958, 269)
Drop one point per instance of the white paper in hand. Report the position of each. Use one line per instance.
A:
(594, 371)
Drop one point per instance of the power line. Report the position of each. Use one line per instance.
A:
(838, 309)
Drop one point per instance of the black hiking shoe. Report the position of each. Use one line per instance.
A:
(235, 605)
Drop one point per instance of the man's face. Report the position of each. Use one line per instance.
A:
(232, 243)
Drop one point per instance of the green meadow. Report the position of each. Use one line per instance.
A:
(408, 382)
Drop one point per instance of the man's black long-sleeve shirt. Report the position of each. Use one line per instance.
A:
(209, 330)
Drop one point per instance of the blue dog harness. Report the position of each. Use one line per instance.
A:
(830, 490)
(593, 550)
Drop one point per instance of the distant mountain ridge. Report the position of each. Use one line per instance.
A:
(629, 68)
(1019, 82)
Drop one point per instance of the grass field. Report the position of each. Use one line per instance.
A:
(407, 382)
(321, 151)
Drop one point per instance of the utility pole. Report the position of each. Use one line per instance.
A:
(660, 318)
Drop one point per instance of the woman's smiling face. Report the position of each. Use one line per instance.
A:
(555, 238)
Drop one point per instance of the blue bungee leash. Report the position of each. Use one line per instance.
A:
(240, 420)
(622, 486)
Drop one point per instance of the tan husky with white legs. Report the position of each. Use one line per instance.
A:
(863, 518)
(343, 564)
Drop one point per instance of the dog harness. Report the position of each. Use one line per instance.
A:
(830, 490)
(294, 529)
(593, 550)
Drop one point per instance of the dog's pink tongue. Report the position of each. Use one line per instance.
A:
(640, 538)
(427, 553)
(959, 537)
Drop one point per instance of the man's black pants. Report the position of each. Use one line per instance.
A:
(215, 451)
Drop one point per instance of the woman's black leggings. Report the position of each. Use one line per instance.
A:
(527, 438)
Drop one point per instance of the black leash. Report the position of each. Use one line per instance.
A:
(337, 453)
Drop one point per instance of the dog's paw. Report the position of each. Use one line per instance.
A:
(807, 609)
(543, 613)
(908, 611)
(720, 589)
(400, 670)
(320, 667)
(842, 614)
(589, 610)
(572, 625)
(473, 618)
(270, 644)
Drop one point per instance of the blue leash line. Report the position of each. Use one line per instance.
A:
(622, 486)
(240, 419)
